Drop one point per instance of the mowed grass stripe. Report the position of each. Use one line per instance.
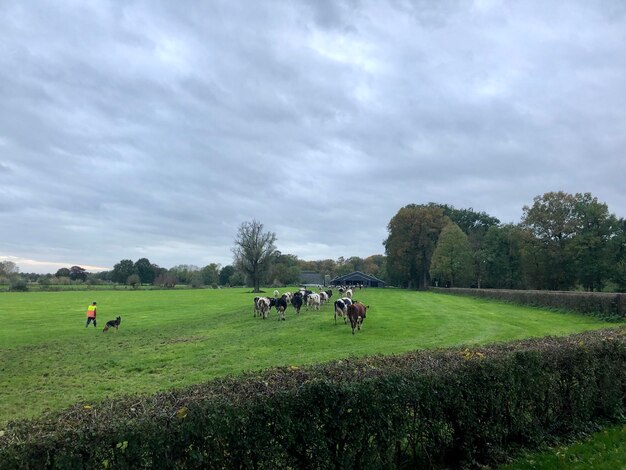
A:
(169, 339)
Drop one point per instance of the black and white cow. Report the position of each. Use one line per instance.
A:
(313, 301)
(281, 306)
(341, 309)
(305, 294)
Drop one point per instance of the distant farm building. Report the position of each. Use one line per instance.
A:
(357, 278)
(311, 278)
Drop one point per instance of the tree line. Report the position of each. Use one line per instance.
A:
(563, 242)
(279, 270)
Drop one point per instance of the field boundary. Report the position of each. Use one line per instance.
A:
(601, 304)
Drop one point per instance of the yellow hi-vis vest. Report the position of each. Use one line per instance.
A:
(91, 311)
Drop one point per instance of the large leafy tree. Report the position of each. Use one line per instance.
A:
(77, 273)
(376, 265)
(210, 274)
(253, 251)
(617, 253)
(552, 220)
(123, 270)
(502, 257)
(225, 275)
(63, 272)
(413, 235)
(573, 241)
(452, 259)
(470, 221)
(590, 246)
(474, 225)
(145, 271)
(284, 269)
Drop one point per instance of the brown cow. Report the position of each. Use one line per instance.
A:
(356, 314)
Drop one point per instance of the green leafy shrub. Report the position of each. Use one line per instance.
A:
(18, 285)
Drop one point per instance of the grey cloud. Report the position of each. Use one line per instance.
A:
(155, 128)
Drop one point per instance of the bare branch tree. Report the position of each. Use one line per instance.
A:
(253, 251)
(8, 268)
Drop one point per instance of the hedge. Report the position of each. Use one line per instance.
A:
(611, 305)
(460, 407)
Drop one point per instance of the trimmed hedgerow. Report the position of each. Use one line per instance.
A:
(606, 305)
(453, 407)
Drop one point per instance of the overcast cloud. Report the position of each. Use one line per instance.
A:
(154, 129)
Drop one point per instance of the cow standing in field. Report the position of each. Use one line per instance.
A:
(281, 306)
(313, 301)
(349, 294)
(263, 306)
(305, 294)
(341, 309)
(297, 301)
(356, 315)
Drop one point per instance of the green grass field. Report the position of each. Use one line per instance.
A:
(604, 450)
(169, 339)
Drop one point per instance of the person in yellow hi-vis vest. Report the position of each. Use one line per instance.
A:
(91, 315)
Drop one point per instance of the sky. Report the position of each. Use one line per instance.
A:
(156, 128)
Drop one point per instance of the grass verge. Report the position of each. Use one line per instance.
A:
(604, 450)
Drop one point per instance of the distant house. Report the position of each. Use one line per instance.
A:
(311, 278)
(357, 278)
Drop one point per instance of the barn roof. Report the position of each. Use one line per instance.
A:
(356, 276)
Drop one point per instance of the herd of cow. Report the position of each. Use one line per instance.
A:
(346, 308)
